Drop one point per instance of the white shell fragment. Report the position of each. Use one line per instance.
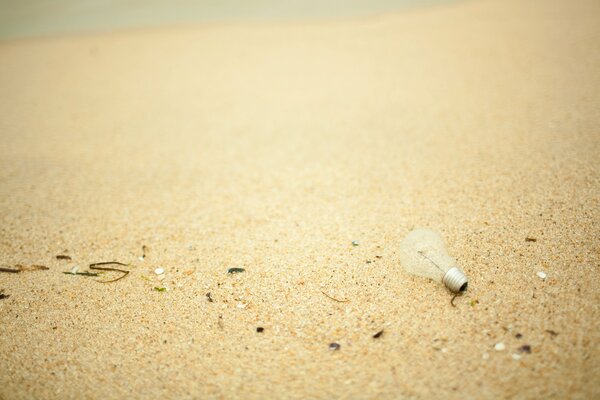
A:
(541, 274)
(159, 271)
(499, 346)
(516, 356)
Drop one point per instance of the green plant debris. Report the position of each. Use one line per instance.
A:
(235, 270)
(474, 302)
(160, 289)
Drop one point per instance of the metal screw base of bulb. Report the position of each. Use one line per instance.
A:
(455, 280)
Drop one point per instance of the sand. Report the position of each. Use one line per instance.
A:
(271, 147)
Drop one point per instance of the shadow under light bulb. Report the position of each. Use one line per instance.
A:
(422, 253)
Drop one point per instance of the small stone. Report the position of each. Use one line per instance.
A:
(260, 329)
(525, 349)
(355, 243)
(516, 356)
(541, 274)
(159, 271)
(242, 305)
(334, 346)
(141, 258)
(518, 336)
(499, 346)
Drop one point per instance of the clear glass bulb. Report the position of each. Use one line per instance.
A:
(423, 253)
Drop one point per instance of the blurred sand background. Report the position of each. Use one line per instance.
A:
(272, 146)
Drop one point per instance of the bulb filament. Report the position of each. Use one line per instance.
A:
(433, 262)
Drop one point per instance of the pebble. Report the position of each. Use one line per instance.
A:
(355, 243)
(516, 356)
(334, 346)
(159, 271)
(499, 346)
(541, 274)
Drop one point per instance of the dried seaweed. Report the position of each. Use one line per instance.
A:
(82, 273)
(63, 257)
(23, 268)
(96, 266)
(235, 270)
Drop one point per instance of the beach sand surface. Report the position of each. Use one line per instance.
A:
(272, 147)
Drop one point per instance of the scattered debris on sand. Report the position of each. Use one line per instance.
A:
(81, 273)
(99, 266)
(334, 299)
(378, 334)
(525, 349)
(23, 268)
(541, 275)
(235, 270)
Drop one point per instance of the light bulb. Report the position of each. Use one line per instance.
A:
(422, 253)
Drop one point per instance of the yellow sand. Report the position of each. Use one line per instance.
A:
(272, 147)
